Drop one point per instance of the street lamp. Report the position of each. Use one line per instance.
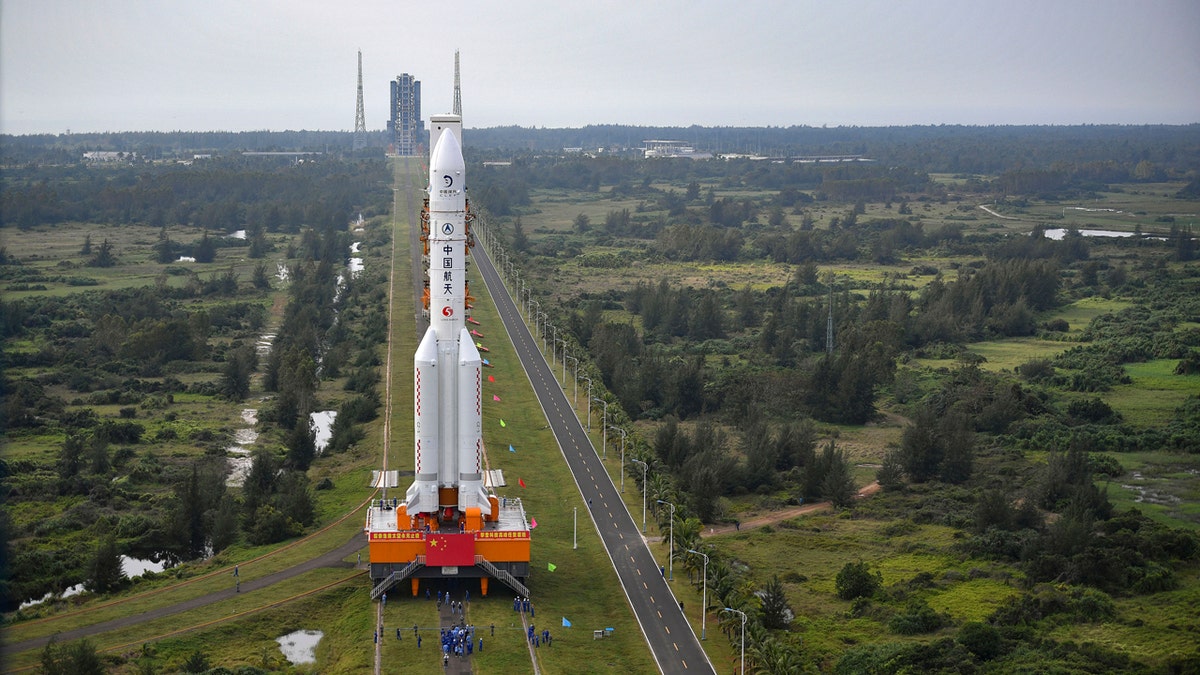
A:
(730, 609)
(671, 548)
(623, 436)
(703, 596)
(564, 360)
(603, 424)
(644, 467)
(589, 403)
(576, 367)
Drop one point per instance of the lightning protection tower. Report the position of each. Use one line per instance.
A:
(360, 117)
(457, 88)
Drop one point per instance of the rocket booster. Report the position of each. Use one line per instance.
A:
(447, 405)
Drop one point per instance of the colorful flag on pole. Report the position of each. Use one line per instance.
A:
(511, 449)
(491, 378)
(566, 624)
(495, 397)
(551, 566)
(532, 523)
(521, 482)
(502, 423)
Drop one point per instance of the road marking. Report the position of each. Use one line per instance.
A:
(674, 644)
(668, 629)
(659, 614)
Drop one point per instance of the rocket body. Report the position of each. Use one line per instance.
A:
(447, 406)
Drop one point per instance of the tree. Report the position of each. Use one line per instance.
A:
(164, 248)
(86, 250)
(225, 524)
(891, 472)
(855, 580)
(104, 256)
(520, 242)
(197, 662)
(838, 485)
(775, 610)
(582, 224)
(105, 573)
(206, 250)
(77, 658)
(302, 446)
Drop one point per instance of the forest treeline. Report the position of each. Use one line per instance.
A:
(1165, 149)
(144, 350)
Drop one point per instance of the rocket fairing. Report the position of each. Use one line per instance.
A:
(447, 406)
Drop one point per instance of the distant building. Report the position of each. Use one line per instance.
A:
(658, 148)
(406, 126)
(109, 156)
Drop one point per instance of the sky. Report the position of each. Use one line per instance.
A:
(238, 65)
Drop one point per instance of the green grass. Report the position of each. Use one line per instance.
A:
(1008, 353)
(1155, 393)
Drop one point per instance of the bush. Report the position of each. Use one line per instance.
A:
(982, 639)
(856, 581)
(918, 617)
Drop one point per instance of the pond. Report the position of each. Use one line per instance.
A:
(300, 646)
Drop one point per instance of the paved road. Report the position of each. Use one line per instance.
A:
(333, 558)
(676, 648)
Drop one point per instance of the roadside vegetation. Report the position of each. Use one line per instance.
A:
(1004, 382)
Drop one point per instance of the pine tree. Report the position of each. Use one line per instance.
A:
(775, 610)
(105, 574)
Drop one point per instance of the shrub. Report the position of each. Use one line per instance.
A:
(855, 580)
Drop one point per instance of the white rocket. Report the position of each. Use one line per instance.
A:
(447, 406)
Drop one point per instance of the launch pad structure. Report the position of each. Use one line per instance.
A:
(450, 524)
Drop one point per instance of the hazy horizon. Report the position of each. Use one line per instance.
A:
(268, 65)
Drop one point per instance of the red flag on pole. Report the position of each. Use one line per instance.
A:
(521, 482)
(491, 378)
(495, 397)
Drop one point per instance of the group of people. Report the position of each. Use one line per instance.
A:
(523, 605)
(538, 639)
(459, 640)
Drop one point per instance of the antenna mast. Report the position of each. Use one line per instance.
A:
(457, 88)
(360, 117)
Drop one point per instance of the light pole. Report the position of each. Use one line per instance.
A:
(575, 530)
(671, 546)
(730, 609)
(529, 312)
(703, 596)
(553, 346)
(563, 341)
(604, 425)
(576, 377)
(589, 403)
(623, 436)
(644, 467)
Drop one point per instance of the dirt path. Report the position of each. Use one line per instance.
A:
(786, 514)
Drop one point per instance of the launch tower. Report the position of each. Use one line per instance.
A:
(450, 523)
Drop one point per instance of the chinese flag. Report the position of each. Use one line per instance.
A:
(450, 550)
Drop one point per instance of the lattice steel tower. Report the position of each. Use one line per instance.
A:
(360, 116)
(457, 88)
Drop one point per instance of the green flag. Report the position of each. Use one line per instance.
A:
(551, 566)
(502, 423)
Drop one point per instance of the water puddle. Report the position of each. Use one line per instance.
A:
(322, 424)
(300, 646)
(239, 463)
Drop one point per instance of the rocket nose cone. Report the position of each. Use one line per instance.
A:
(447, 159)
